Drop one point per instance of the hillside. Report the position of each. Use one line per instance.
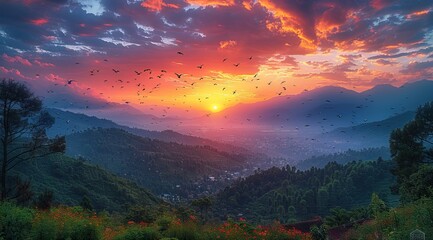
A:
(165, 168)
(67, 122)
(288, 194)
(373, 133)
(344, 157)
(71, 179)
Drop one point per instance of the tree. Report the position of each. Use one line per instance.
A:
(377, 205)
(23, 126)
(203, 204)
(86, 203)
(411, 146)
(45, 200)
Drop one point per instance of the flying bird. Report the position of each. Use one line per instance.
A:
(180, 53)
(178, 75)
(116, 71)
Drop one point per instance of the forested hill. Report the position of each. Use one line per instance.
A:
(69, 122)
(345, 157)
(288, 194)
(70, 180)
(160, 166)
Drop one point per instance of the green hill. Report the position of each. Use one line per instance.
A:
(71, 179)
(288, 194)
(163, 167)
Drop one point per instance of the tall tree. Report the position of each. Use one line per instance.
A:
(412, 145)
(23, 126)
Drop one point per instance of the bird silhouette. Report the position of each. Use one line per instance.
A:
(116, 71)
(70, 81)
(180, 53)
(178, 75)
(236, 65)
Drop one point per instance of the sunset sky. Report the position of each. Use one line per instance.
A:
(228, 51)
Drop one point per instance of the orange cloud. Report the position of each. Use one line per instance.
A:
(206, 3)
(226, 44)
(286, 21)
(248, 4)
(157, 5)
(39, 21)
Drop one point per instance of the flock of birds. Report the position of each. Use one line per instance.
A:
(144, 84)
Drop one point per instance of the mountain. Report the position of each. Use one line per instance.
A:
(163, 167)
(373, 133)
(331, 107)
(67, 122)
(71, 179)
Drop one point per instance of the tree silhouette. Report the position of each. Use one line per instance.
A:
(412, 145)
(23, 126)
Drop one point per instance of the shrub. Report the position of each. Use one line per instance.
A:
(185, 231)
(76, 229)
(15, 222)
(44, 229)
(136, 233)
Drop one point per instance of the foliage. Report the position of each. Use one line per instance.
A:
(22, 130)
(137, 233)
(70, 179)
(288, 194)
(344, 157)
(44, 200)
(15, 222)
(411, 146)
(67, 223)
(76, 223)
(397, 223)
(377, 205)
(418, 185)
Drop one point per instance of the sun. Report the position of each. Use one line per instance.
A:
(215, 108)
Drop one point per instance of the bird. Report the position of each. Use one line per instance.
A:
(225, 59)
(200, 66)
(250, 58)
(236, 65)
(70, 81)
(178, 75)
(116, 71)
(137, 72)
(180, 53)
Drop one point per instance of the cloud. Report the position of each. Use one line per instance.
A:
(39, 21)
(226, 44)
(157, 5)
(18, 59)
(385, 62)
(206, 3)
(43, 64)
(12, 72)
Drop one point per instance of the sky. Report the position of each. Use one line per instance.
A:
(210, 55)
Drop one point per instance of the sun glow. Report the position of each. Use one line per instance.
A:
(215, 108)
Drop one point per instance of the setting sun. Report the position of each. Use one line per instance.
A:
(215, 108)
